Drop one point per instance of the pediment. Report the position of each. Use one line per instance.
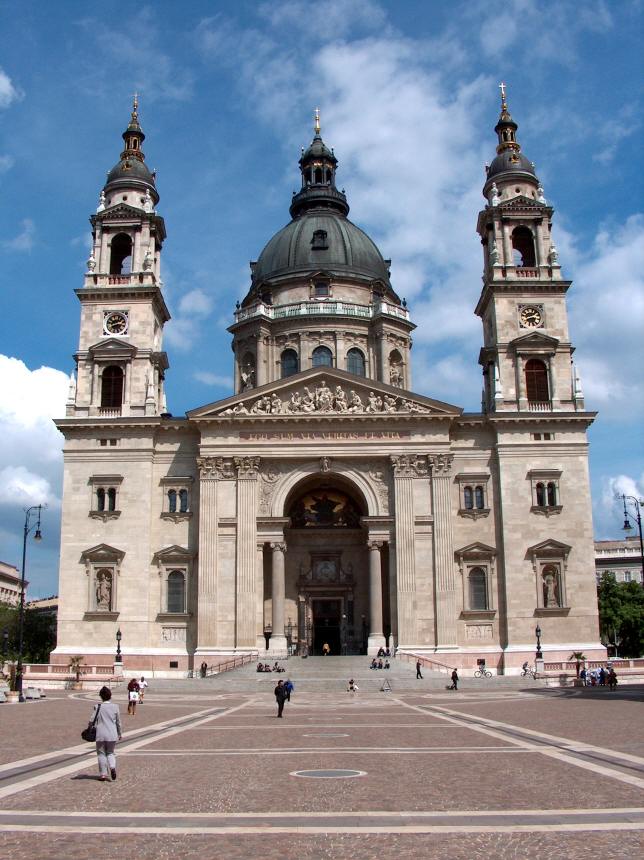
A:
(534, 341)
(521, 202)
(325, 392)
(102, 552)
(549, 547)
(122, 212)
(174, 553)
(112, 347)
(475, 550)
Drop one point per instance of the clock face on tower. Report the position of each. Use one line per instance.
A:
(530, 317)
(115, 322)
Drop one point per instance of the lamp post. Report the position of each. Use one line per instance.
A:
(119, 656)
(5, 643)
(637, 504)
(34, 511)
(537, 633)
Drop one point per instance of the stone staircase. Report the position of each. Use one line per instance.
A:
(331, 674)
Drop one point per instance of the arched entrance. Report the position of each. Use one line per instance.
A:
(328, 569)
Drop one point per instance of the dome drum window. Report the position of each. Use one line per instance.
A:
(289, 363)
(322, 357)
(356, 362)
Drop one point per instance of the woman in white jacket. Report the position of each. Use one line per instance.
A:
(108, 732)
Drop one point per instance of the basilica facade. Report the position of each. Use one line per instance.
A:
(325, 501)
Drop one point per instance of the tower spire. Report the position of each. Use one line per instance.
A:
(316, 127)
(506, 127)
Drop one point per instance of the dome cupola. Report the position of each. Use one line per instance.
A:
(131, 172)
(510, 163)
(317, 166)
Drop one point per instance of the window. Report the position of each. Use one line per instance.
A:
(290, 362)
(319, 241)
(478, 589)
(523, 247)
(545, 485)
(473, 495)
(549, 561)
(536, 381)
(176, 498)
(355, 362)
(317, 176)
(322, 357)
(628, 577)
(320, 290)
(174, 564)
(176, 591)
(121, 254)
(112, 387)
(477, 566)
(105, 495)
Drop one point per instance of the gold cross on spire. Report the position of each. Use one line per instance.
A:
(317, 120)
(135, 105)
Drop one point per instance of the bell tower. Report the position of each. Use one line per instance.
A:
(120, 364)
(526, 354)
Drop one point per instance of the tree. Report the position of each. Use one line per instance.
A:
(621, 614)
(38, 637)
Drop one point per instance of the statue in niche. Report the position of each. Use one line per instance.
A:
(104, 590)
(247, 377)
(550, 590)
(148, 260)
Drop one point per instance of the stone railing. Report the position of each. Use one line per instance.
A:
(540, 405)
(321, 308)
(109, 412)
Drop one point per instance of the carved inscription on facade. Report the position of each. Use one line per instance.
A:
(173, 634)
(478, 632)
(326, 435)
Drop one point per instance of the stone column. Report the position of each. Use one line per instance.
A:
(210, 470)
(508, 260)
(278, 583)
(246, 568)
(384, 358)
(260, 642)
(376, 637)
(136, 264)
(260, 360)
(405, 470)
(444, 573)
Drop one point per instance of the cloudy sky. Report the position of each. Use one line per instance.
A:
(408, 93)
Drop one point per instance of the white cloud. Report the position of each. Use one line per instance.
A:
(24, 241)
(213, 379)
(30, 455)
(6, 163)
(9, 92)
(195, 303)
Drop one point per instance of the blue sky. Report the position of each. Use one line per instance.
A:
(409, 97)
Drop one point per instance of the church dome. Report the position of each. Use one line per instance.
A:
(510, 161)
(132, 172)
(321, 240)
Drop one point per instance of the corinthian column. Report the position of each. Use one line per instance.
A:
(210, 470)
(376, 638)
(445, 582)
(406, 468)
(278, 582)
(246, 587)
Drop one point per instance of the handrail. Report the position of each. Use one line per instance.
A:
(425, 661)
(227, 665)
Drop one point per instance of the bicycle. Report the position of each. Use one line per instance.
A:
(482, 673)
(529, 672)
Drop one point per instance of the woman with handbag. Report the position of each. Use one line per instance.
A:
(106, 719)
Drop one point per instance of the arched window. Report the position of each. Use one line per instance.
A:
(183, 501)
(540, 491)
(536, 381)
(100, 499)
(523, 247)
(176, 591)
(478, 589)
(290, 363)
(329, 176)
(479, 498)
(318, 176)
(322, 357)
(468, 498)
(552, 494)
(172, 501)
(121, 256)
(111, 499)
(112, 387)
(355, 362)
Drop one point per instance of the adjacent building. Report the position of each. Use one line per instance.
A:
(622, 558)
(10, 584)
(325, 500)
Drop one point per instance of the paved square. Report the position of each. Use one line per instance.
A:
(497, 773)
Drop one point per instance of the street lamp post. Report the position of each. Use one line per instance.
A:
(637, 504)
(119, 656)
(537, 633)
(35, 511)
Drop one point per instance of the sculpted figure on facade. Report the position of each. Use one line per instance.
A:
(104, 590)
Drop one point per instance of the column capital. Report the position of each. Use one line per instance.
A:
(278, 546)
(247, 467)
(409, 465)
(215, 468)
(440, 464)
(374, 545)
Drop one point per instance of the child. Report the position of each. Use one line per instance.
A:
(142, 686)
(132, 701)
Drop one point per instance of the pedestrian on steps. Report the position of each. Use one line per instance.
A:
(454, 679)
(288, 686)
(418, 672)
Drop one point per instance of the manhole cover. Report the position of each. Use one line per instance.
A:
(328, 774)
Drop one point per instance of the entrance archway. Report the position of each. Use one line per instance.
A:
(329, 568)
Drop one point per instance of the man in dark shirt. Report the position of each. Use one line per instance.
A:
(280, 696)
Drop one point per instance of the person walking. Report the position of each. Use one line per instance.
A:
(142, 688)
(108, 732)
(418, 672)
(288, 686)
(132, 696)
(454, 679)
(326, 650)
(280, 697)
(612, 679)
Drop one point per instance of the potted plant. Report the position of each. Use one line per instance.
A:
(75, 664)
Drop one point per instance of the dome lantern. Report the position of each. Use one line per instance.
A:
(317, 167)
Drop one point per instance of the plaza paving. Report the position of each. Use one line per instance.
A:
(507, 773)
